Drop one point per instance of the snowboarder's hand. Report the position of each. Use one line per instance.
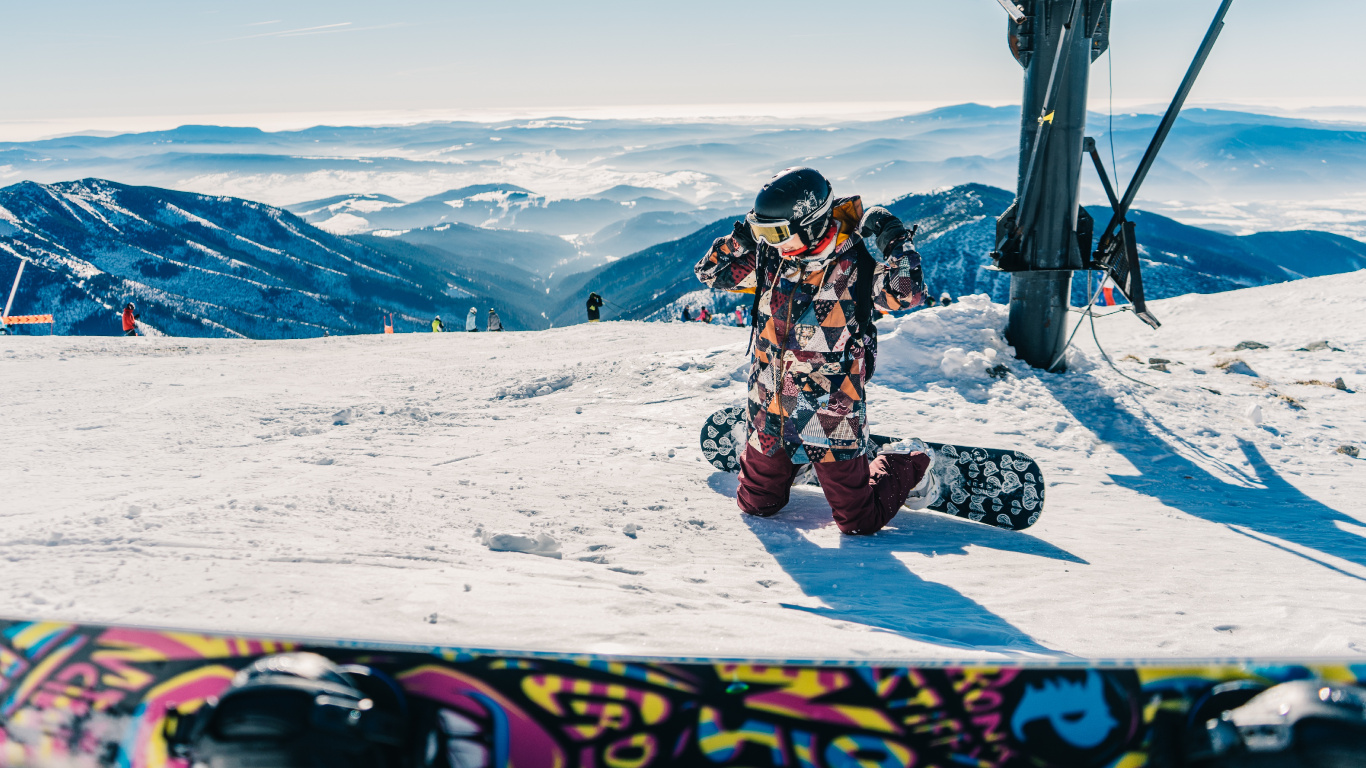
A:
(879, 223)
(743, 236)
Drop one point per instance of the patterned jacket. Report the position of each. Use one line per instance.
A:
(806, 379)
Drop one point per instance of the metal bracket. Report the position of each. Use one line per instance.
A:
(1017, 13)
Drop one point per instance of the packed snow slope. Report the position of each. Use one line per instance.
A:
(544, 490)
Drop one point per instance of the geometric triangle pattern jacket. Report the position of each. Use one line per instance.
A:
(806, 378)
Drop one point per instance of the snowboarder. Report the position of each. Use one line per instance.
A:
(739, 317)
(800, 251)
(495, 322)
(945, 299)
(686, 317)
(594, 305)
(437, 325)
(703, 316)
(130, 318)
(472, 320)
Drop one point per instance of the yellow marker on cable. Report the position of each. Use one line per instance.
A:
(1048, 118)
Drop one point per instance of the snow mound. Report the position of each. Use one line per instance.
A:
(542, 544)
(962, 345)
(541, 385)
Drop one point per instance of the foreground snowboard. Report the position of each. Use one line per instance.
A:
(80, 696)
(989, 485)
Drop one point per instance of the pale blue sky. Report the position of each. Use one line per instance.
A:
(79, 59)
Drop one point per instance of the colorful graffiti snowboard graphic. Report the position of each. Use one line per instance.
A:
(995, 486)
(81, 695)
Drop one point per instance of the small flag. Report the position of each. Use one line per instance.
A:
(1107, 293)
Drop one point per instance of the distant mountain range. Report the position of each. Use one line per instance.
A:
(566, 177)
(595, 229)
(200, 265)
(505, 206)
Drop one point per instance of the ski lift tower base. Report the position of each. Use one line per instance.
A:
(1037, 328)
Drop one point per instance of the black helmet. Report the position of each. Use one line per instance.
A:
(795, 202)
(296, 710)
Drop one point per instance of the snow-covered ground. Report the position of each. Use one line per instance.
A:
(358, 486)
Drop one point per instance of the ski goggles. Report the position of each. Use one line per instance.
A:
(770, 231)
(775, 231)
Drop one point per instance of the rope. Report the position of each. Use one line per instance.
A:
(1119, 311)
(1110, 61)
(1113, 367)
(1077, 327)
(1088, 314)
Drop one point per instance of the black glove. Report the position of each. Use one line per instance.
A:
(878, 222)
(744, 237)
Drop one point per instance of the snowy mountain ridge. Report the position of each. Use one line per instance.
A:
(200, 265)
(210, 265)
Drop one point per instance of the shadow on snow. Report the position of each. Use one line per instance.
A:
(1267, 508)
(862, 581)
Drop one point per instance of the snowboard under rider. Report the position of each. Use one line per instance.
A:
(495, 322)
(130, 318)
(472, 320)
(800, 251)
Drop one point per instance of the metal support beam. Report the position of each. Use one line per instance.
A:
(1168, 120)
(1039, 235)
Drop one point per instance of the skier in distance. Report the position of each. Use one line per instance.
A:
(130, 318)
(437, 325)
(495, 322)
(800, 251)
(594, 307)
(472, 320)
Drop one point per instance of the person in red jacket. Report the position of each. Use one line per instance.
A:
(130, 326)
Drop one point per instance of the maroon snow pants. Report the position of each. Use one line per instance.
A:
(863, 495)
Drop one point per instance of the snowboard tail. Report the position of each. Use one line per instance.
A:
(995, 486)
(97, 695)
